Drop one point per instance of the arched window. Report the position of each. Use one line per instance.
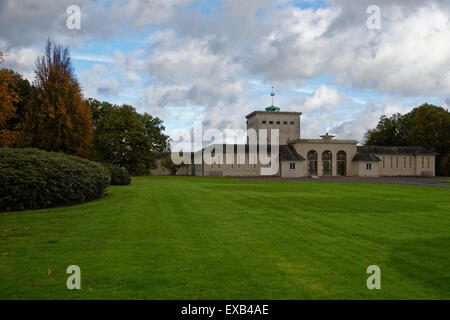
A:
(327, 158)
(312, 163)
(341, 164)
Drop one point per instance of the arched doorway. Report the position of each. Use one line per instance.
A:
(341, 164)
(327, 158)
(312, 163)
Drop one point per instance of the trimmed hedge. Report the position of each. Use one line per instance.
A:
(119, 176)
(33, 179)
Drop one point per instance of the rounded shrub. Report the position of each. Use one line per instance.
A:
(33, 179)
(119, 176)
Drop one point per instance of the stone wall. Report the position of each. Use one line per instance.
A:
(287, 123)
(162, 171)
(287, 172)
(233, 170)
(334, 146)
(406, 165)
(373, 171)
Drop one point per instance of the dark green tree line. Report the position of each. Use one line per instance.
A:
(427, 126)
(126, 138)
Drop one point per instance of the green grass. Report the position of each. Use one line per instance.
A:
(224, 238)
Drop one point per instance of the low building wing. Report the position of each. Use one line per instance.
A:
(395, 150)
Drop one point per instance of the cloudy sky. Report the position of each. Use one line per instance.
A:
(215, 61)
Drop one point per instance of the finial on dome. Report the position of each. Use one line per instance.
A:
(272, 108)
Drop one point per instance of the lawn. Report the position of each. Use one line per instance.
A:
(224, 238)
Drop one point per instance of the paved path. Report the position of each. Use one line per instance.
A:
(416, 181)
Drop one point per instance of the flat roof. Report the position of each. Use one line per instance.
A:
(286, 152)
(324, 141)
(272, 112)
(400, 150)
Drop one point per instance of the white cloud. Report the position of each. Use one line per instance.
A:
(368, 116)
(323, 98)
(305, 90)
(99, 83)
(93, 58)
(21, 60)
(409, 55)
(214, 67)
(447, 102)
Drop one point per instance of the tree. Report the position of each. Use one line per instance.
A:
(99, 109)
(171, 166)
(391, 131)
(444, 165)
(427, 126)
(8, 98)
(14, 95)
(126, 138)
(57, 117)
(430, 127)
(431, 130)
(22, 88)
(154, 130)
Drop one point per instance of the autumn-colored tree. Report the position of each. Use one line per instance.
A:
(8, 98)
(57, 117)
(15, 93)
(23, 89)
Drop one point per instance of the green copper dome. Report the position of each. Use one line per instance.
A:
(272, 108)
